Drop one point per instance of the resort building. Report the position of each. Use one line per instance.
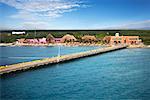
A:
(50, 38)
(68, 38)
(20, 41)
(32, 41)
(88, 38)
(129, 40)
(42, 41)
(56, 40)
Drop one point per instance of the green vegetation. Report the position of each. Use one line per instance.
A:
(7, 37)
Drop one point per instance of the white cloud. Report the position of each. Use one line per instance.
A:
(36, 10)
(27, 16)
(35, 25)
(137, 25)
(50, 8)
(132, 25)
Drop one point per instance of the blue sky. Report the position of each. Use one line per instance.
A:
(75, 14)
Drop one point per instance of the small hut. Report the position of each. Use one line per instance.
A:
(88, 38)
(32, 41)
(56, 40)
(42, 41)
(20, 40)
(49, 38)
(68, 38)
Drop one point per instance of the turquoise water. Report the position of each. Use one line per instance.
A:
(12, 55)
(123, 74)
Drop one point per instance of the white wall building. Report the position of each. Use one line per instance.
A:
(23, 32)
(117, 34)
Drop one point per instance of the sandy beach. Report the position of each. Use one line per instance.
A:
(69, 44)
(50, 44)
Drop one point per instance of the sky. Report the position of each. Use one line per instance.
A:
(74, 14)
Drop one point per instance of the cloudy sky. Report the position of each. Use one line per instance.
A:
(75, 14)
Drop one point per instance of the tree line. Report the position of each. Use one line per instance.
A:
(7, 37)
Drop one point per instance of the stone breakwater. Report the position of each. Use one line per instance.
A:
(55, 60)
(52, 44)
(70, 44)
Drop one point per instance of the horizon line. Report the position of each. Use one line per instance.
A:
(68, 29)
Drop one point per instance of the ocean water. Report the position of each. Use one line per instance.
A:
(122, 74)
(12, 55)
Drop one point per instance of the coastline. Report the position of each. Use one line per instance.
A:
(69, 45)
(139, 46)
(51, 44)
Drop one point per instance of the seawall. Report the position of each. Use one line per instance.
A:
(54, 60)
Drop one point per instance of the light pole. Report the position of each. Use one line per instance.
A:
(35, 34)
(59, 48)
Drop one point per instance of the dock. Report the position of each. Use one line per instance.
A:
(54, 60)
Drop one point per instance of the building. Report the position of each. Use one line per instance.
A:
(20, 41)
(68, 38)
(50, 38)
(42, 41)
(32, 41)
(19, 33)
(129, 40)
(88, 38)
(56, 40)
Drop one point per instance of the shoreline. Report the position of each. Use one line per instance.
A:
(69, 45)
(50, 44)
(54, 60)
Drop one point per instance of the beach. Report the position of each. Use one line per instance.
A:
(70, 44)
(51, 44)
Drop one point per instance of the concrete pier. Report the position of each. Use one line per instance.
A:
(54, 60)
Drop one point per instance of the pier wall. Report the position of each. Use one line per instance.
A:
(54, 60)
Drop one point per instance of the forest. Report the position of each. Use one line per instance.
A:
(8, 37)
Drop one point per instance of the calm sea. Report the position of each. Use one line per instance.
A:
(123, 74)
